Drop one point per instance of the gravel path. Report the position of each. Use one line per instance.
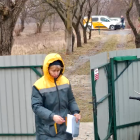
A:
(86, 131)
(84, 58)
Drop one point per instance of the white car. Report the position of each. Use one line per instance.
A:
(117, 19)
(101, 22)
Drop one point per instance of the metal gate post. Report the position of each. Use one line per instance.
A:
(94, 106)
(114, 103)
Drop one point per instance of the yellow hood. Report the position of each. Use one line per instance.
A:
(50, 58)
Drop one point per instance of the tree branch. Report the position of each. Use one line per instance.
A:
(138, 7)
(128, 17)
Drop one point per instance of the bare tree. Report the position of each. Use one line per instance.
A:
(65, 11)
(69, 48)
(112, 7)
(101, 5)
(23, 16)
(52, 21)
(87, 12)
(40, 11)
(9, 13)
(136, 33)
(77, 16)
(77, 9)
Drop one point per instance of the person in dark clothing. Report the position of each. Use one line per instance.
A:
(52, 99)
(122, 22)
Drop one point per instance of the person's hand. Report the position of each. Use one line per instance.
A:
(58, 119)
(78, 117)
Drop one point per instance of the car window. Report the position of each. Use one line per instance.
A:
(94, 19)
(104, 19)
(115, 19)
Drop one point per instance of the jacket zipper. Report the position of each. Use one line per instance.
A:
(58, 94)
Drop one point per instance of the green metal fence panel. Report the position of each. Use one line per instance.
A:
(122, 79)
(103, 111)
(16, 80)
(98, 60)
(100, 96)
(127, 111)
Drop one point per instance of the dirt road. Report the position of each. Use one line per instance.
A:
(86, 131)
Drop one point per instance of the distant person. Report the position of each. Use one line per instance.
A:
(122, 22)
(52, 100)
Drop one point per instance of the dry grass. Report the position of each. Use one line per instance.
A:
(83, 99)
(48, 42)
(86, 110)
(109, 45)
(85, 49)
(84, 69)
(38, 43)
(130, 42)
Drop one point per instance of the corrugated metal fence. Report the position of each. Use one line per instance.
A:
(114, 112)
(101, 111)
(127, 111)
(17, 75)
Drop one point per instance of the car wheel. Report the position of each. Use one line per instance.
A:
(112, 27)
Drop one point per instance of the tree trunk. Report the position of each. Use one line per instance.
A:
(69, 42)
(54, 22)
(50, 23)
(137, 41)
(78, 35)
(8, 17)
(39, 27)
(136, 34)
(73, 41)
(22, 18)
(69, 29)
(65, 35)
(85, 35)
(89, 33)
(97, 7)
(22, 25)
(6, 36)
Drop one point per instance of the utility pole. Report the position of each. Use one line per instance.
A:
(69, 28)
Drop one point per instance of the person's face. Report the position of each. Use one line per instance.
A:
(54, 71)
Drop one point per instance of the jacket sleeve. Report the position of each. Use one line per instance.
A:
(37, 105)
(73, 107)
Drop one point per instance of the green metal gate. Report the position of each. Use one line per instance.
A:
(118, 121)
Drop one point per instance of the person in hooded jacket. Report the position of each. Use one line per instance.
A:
(122, 22)
(52, 99)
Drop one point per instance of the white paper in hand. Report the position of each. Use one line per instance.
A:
(72, 125)
(75, 127)
(69, 123)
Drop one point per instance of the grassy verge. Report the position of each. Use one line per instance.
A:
(51, 43)
(86, 110)
(109, 45)
(130, 42)
(90, 46)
